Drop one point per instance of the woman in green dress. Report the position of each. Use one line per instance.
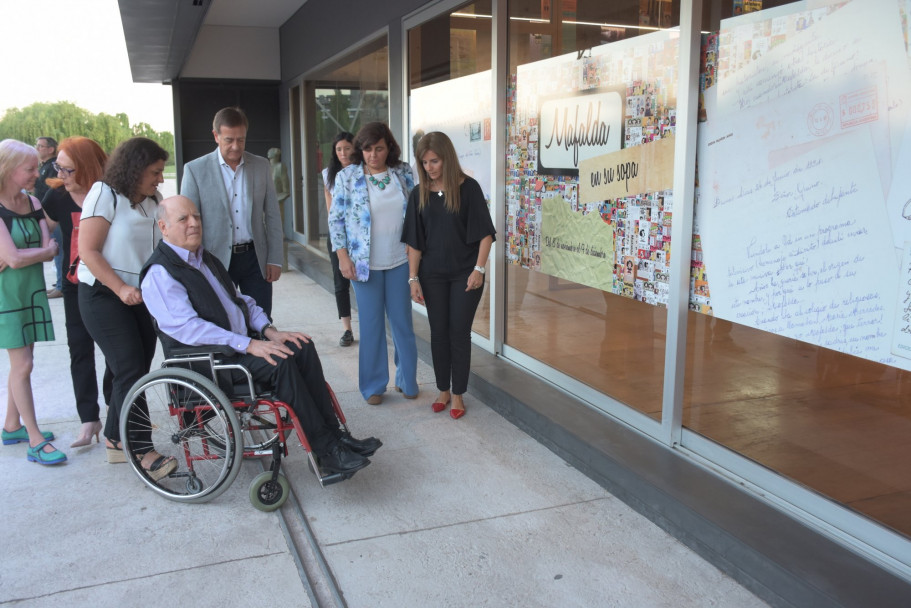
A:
(25, 317)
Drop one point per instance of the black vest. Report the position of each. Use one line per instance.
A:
(202, 296)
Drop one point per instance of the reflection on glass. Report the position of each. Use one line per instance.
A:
(451, 91)
(343, 97)
(592, 101)
(801, 240)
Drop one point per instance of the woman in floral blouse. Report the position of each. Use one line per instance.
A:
(365, 226)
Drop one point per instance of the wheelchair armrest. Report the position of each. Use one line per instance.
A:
(199, 351)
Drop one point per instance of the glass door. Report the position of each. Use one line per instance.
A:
(450, 90)
(341, 98)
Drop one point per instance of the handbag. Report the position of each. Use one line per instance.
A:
(72, 274)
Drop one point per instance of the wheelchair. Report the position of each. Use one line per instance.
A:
(182, 410)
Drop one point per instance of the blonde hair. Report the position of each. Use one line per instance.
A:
(12, 154)
(452, 176)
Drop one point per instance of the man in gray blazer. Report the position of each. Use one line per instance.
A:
(235, 195)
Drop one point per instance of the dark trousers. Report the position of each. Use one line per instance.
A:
(450, 311)
(342, 285)
(82, 359)
(299, 382)
(126, 336)
(246, 274)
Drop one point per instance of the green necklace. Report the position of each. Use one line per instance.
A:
(380, 183)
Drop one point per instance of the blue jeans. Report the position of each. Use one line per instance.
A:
(386, 294)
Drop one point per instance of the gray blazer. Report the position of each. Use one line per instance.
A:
(203, 184)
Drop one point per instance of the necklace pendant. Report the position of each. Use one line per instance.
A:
(440, 193)
(380, 183)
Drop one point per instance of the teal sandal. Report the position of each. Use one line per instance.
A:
(37, 454)
(20, 435)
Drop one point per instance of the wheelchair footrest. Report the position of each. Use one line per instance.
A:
(332, 478)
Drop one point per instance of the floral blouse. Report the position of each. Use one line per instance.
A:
(349, 217)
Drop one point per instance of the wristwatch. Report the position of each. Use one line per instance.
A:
(413, 280)
(480, 269)
(262, 332)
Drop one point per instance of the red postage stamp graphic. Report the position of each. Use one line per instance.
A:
(859, 107)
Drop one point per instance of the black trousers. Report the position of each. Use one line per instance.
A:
(82, 358)
(342, 285)
(299, 382)
(126, 336)
(246, 274)
(450, 311)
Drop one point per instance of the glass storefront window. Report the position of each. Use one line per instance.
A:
(591, 117)
(342, 97)
(799, 342)
(450, 90)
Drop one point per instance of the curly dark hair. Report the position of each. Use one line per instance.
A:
(371, 133)
(127, 163)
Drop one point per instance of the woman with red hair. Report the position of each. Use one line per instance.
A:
(80, 163)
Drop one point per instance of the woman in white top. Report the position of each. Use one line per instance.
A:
(117, 234)
(365, 225)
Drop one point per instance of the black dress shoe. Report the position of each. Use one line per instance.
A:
(340, 459)
(364, 447)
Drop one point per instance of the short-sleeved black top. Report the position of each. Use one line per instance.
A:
(60, 207)
(448, 242)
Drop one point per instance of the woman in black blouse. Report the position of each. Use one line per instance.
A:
(80, 163)
(449, 232)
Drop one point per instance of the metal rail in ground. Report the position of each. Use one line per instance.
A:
(314, 570)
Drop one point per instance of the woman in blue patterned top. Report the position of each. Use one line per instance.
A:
(365, 226)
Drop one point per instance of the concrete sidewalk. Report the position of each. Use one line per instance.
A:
(450, 513)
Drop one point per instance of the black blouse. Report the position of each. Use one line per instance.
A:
(449, 242)
(60, 207)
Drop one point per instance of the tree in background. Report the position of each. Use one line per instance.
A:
(64, 119)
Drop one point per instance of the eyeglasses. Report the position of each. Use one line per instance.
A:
(40, 146)
(63, 170)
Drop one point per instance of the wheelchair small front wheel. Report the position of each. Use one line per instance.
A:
(268, 495)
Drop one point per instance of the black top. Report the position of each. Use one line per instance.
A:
(60, 207)
(448, 242)
(45, 170)
(8, 216)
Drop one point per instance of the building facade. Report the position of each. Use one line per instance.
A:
(702, 213)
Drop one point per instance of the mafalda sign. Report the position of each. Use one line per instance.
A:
(574, 129)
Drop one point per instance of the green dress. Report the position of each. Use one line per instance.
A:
(25, 316)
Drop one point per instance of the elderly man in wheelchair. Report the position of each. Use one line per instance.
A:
(190, 294)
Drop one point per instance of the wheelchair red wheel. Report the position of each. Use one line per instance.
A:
(183, 415)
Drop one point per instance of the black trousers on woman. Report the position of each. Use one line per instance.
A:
(126, 336)
(450, 311)
(82, 358)
(342, 285)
